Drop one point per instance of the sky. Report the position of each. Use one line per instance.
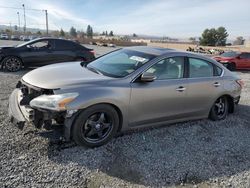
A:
(171, 18)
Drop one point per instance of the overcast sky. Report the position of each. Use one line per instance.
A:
(173, 18)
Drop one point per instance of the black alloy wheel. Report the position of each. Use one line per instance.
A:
(12, 64)
(219, 110)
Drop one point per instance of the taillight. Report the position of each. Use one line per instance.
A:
(92, 51)
(240, 82)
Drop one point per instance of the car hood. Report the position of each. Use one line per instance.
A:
(6, 47)
(62, 75)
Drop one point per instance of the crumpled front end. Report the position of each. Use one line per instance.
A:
(21, 112)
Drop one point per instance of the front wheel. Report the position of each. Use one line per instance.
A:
(231, 66)
(95, 126)
(219, 109)
(12, 64)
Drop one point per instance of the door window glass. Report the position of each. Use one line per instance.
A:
(45, 44)
(170, 68)
(200, 68)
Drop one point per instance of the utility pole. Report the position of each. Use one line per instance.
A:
(47, 24)
(24, 17)
(18, 21)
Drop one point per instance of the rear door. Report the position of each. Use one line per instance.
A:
(204, 86)
(163, 99)
(64, 51)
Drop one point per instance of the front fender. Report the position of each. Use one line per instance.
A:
(116, 96)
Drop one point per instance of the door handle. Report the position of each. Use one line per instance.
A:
(216, 84)
(181, 89)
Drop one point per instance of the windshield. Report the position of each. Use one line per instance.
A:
(120, 63)
(230, 54)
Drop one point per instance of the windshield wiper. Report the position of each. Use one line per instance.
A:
(94, 70)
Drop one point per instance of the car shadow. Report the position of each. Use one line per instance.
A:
(190, 153)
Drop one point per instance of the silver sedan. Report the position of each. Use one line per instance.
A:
(126, 89)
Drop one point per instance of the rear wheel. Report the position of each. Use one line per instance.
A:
(231, 66)
(95, 126)
(219, 110)
(12, 64)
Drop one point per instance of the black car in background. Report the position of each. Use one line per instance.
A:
(43, 51)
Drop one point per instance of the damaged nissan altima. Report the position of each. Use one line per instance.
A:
(126, 89)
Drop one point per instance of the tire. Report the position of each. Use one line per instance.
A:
(12, 64)
(231, 66)
(95, 126)
(219, 110)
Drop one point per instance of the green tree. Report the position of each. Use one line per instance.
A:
(111, 33)
(89, 32)
(62, 33)
(103, 33)
(221, 36)
(72, 32)
(134, 35)
(214, 37)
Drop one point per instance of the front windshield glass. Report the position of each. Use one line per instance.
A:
(120, 63)
(230, 54)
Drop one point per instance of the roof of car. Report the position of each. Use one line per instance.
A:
(151, 50)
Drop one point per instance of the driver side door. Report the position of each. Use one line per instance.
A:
(38, 53)
(163, 99)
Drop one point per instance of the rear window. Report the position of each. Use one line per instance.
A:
(230, 54)
(64, 45)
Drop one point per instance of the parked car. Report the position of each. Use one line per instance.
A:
(126, 89)
(41, 52)
(14, 37)
(235, 60)
(4, 36)
(31, 37)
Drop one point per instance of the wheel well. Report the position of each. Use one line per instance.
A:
(119, 115)
(233, 64)
(116, 109)
(12, 56)
(230, 103)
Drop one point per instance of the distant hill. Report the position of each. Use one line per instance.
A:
(32, 30)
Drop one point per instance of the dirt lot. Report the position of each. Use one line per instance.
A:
(198, 153)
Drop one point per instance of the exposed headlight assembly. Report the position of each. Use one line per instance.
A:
(53, 102)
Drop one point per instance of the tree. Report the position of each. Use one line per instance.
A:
(106, 33)
(239, 41)
(103, 33)
(193, 40)
(62, 33)
(214, 37)
(111, 33)
(72, 32)
(221, 36)
(89, 32)
(134, 35)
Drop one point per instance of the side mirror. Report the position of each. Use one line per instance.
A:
(147, 77)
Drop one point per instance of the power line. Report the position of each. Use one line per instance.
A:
(17, 8)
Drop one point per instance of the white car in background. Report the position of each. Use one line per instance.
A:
(4, 36)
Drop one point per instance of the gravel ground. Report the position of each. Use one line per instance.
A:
(192, 154)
